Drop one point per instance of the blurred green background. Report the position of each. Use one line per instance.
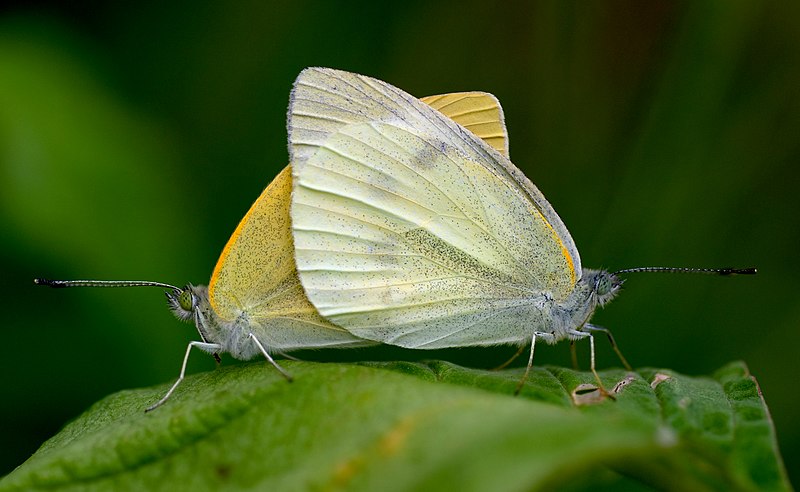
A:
(133, 139)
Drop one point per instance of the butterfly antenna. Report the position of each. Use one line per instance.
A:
(58, 284)
(706, 271)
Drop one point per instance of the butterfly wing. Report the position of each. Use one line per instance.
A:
(401, 238)
(324, 100)
(478, 112)
(256, 273)
(256, 277)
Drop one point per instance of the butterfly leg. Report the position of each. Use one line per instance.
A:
(208, 347)
(574, 355)
(547, 337)
(270, 359)
(512, 359)
(614, 346)
(577, 335)
(287, 356)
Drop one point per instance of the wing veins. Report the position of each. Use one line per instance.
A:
(321, 117)
(346, 216)
(361, 91)
(470, 140)
(455, 275)
(470, 111)
(489, 315)
(329, 90)
(414, 171)
(334, 233)
(430, 303)
(403, 198)
(276, 293)
(434, 119)
(382, 210)
(460, 209)
(367, 204)
(476, 123)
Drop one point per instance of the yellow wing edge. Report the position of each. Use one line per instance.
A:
(282, 181)
(478, 112)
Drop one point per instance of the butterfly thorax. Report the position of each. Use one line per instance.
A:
(595, 288)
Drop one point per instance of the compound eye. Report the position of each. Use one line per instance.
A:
(604, 285)
(185, 299)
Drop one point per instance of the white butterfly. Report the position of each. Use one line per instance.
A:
(412, 231)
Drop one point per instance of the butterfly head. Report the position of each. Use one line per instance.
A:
(183, 302)
(605, 286)
(191, 304)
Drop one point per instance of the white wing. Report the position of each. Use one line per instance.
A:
(324, 100)
(402, 238)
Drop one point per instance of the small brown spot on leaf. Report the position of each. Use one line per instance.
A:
(658, 379)
(617, 389)
(588, 394)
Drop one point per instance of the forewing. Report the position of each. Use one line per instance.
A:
(256, 276)
(324, 100)
(401, 238)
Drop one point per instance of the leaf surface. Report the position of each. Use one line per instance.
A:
(417, 426)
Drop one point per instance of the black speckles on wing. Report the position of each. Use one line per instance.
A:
(324, 100)
(390, 225)
(254, 287)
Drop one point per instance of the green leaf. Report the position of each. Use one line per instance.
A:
(412, 426)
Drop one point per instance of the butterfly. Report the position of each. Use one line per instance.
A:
(411, 230)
